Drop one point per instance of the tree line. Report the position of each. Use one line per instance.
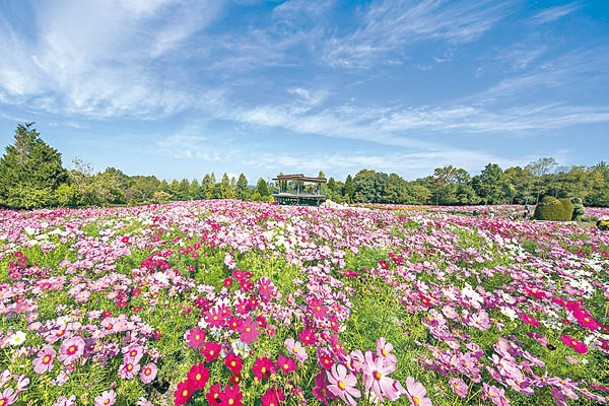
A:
(32, 176)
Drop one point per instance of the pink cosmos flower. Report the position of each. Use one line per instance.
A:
(296, 349)
(71, 349)
(249, 330)
(148, 373)
(286, 364)
(107, 398)
(383, 349)
(307, 336)
(375, 372)
(495, 394)
(8, 396)
(44, 361)
(128, 370)
(133, 353)
(416, 393)
(459, 386)
(342, 384)
(65, 401)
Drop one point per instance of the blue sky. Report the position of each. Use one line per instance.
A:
(181, 88)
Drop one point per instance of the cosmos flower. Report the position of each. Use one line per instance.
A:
(342, 384)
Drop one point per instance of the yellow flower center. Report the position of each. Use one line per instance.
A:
(384, 352)
(233, 364)
(231, 401)
(416, 400)
(198, 377)
(378, 375)
(185, 393)
(342, 385)
(72, 349)
(46, 359)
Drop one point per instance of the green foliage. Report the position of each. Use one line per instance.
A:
(578, 208)
(262, 188)
(30, 171)
(553, 209)
(568, 209)
(602, 225)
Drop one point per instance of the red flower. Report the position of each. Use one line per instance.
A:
(211, 351)
(242, 306)
(228, 282)
(286, 364)
(213, 396)
(198, 376)
(183, 393)
(233, 363)
(261, 321)
(263, 368)
(325, 360)
(272, 397)
(232, 396)
(577, 345)
(234, 323)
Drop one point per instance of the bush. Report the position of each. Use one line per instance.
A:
(553, 209)
(578, 209)
(568, 209)
(602, 225)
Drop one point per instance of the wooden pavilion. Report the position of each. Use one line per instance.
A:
(299, 190)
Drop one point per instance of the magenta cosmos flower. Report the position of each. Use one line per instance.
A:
(342, 384)
(44, 360)
(107, 398)
(71, 349)
(376, 371)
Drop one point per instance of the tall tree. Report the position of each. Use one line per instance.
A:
(489, 184)
(30, 171)
(243, 190)
(541, 169)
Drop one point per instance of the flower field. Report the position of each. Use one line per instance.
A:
(228, 303)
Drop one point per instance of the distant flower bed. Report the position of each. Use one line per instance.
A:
(235, 303)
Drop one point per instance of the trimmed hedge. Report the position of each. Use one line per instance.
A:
(578, 208)
(553, 209)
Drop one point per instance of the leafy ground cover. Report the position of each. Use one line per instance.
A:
(229, 303)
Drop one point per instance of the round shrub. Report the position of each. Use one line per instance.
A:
(578, 208)
(550, 208)
(568, 209)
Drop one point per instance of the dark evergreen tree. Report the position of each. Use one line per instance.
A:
(30, 171)
(243, 190)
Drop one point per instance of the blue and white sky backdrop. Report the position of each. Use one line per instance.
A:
(181, 88)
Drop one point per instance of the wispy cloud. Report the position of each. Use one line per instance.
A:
(553, 13)
(391, 26)
(102, 59)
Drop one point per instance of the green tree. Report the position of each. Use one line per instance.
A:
(208, 185)
(228, 188)
(489, 183)
(30, 171)
(541, 170)
(349, 189)
(262, 188)
(243, 190)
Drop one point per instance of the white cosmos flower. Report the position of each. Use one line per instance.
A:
(17, 339)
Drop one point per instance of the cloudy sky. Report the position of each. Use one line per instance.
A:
(182, 88)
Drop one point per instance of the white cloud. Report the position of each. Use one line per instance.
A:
(553, 13)
(103, 58)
